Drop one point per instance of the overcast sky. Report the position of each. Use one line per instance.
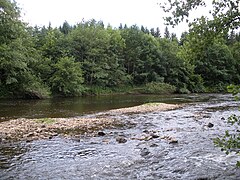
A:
(130, 12)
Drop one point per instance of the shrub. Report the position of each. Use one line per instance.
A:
(67, 79)
(159, 88)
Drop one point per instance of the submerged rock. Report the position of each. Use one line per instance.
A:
(121, 139)
(210, 125)
(153, 145)
(144, 152)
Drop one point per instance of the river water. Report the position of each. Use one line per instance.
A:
(102, 157)
(70, 107)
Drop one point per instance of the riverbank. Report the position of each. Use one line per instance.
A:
(47, 128)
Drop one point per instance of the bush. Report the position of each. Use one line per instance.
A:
(184, 90)
(97, 90)
(159, 88)
(67, 79)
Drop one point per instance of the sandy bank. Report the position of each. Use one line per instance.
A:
(145, 108)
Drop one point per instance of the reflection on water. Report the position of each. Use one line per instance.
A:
(69, 107)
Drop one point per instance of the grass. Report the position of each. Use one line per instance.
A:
(45, 121)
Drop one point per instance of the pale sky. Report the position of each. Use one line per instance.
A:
(130, 12)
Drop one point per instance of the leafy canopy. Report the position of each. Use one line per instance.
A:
(224, 14)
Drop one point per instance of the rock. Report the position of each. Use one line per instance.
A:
(101, 133)
(106, 141)
(121, 140)
(153, 145)
(144, 152)
(210, 125)
(206, 116)
(28, 140)
(30, 134)
(153, 135)
(147, 138)
(55, 134)
(173, 141)
(145, 131)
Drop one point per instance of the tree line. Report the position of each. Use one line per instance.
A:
(73, 60)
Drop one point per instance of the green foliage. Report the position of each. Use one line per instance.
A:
(10, 25)
(100, 52)
(225, 14)
(235, 90)
(230, 142)
(67, 77)
(159, 88)
(184, 90)
(204, 46)
(36, 62)
(17, 78)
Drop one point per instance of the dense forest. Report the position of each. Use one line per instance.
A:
(90, 58)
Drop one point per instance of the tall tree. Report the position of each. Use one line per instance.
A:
(157, 33)
(17, 54)
(65, 28)
(167, 33)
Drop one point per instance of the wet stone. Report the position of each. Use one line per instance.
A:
(210, 125)
(153, 145)
(121, 140)
(28, 140)
(207, 116)
(146, 131)
(173, 141)
(153, 135)
(101, 133)
(55, 134)
(29, 134)
(144, 152)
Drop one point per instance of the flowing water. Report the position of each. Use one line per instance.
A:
(102, 157)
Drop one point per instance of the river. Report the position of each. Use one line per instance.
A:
(70, 107)
(194, 156)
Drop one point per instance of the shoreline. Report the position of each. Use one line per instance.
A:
(46, 128)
